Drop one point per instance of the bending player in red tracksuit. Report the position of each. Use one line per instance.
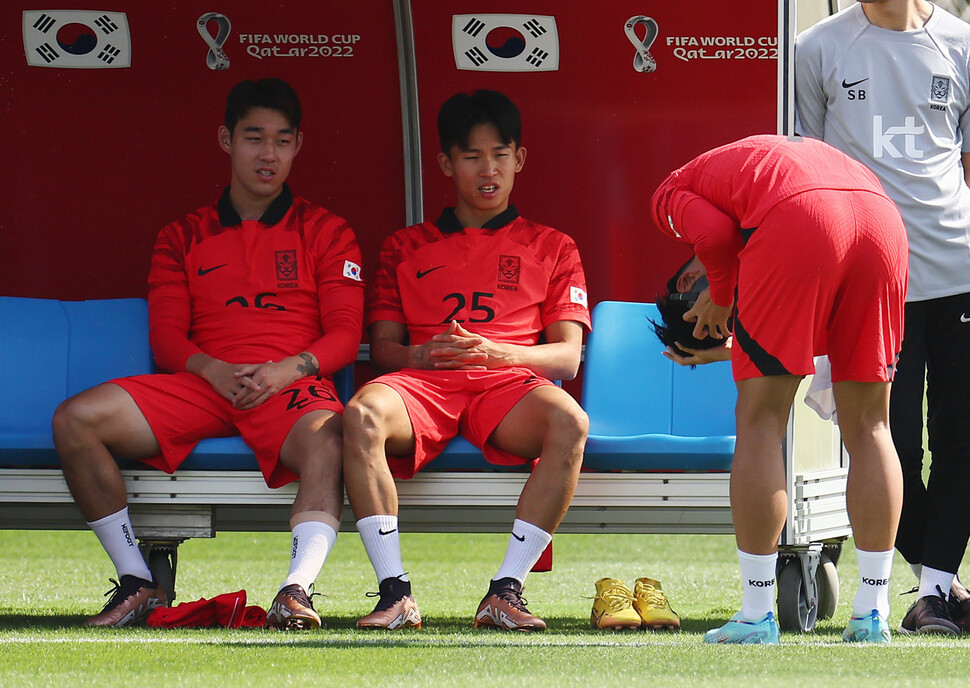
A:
(817, 255)
(254, 302)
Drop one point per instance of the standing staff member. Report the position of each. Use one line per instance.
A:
(888, 82)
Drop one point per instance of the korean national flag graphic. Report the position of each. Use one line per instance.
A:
(578, 296)
(505, 42)
(77, 39)
(352, 270)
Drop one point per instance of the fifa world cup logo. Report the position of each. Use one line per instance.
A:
(217, 58)
(643, 61)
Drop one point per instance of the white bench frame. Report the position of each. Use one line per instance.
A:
(199, 503)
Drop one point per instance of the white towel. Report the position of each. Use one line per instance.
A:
(819, 396)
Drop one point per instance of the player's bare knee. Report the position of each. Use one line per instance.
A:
(864, 436)
(359, 417)
(72, 421)
(761, 423)
(573, 422)
(364, 423)
(568, 426)
(62, 423)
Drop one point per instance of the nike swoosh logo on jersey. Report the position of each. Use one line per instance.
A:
(520, 538)
(207, 271)
(964, 318)
(846, 84)
(422, 273)
(386, 532)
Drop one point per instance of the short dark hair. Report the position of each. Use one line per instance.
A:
(271, 93)
(673, 329)
(463, 112)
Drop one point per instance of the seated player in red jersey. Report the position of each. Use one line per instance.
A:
(254, 302)
(457, 312)
(801, 245)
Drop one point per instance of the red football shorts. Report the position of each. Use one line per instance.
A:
(825, 273)
(182, 409)
(442, 404)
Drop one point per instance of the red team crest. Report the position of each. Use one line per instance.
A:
(286, 266)
(508, 269)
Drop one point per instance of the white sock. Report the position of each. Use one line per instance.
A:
(118, 539)
(929, 579)
(382, 541)
(873, 592)
(312, 542)
(757, 584)
(526, 544)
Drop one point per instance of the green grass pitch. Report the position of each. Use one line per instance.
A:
(50, 581)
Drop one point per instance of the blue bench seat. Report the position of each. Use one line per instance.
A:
(646, 412)
(55, 349)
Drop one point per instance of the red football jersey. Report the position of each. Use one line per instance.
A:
(255, 291)
(506, 281)
(721, 195)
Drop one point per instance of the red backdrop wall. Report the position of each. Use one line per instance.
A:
(97, 160)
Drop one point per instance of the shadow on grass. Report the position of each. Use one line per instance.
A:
(437, 623)
(342, 632)
(48, 622)
(556, 625)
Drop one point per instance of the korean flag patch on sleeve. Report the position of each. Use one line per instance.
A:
(577, 295)
(352, 270)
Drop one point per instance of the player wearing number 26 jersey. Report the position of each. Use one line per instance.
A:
(254, 302)
(242, 291)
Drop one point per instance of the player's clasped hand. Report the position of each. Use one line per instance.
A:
(457, 349)
(222, 377)
(247, 385)
(258, 382)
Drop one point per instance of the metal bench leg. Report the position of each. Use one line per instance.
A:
(162, 558)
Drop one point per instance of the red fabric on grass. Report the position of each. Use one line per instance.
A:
(228, 610)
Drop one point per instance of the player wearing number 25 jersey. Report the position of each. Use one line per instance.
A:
(472, 316)
(506, 281)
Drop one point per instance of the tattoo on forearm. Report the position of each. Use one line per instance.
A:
(308, 367)
(421, 357)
